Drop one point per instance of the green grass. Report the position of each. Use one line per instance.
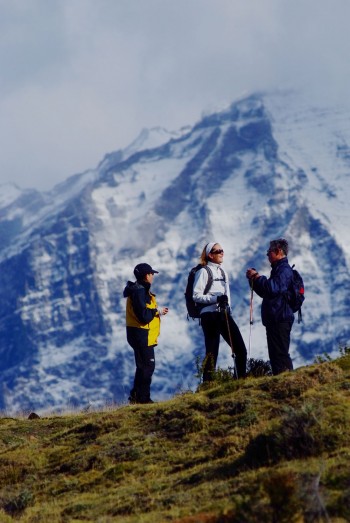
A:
(266, 449)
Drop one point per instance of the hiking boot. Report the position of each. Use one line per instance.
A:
(133, 398)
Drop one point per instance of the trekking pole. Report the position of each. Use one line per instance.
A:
(251, 321)
(231, 344)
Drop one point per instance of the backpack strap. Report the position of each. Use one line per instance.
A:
(223, 274)
(210, 279)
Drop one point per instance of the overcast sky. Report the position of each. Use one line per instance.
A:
(81, 78)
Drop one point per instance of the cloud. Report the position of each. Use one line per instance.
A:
(81, 78)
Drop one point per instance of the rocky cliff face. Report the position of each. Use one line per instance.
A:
(266, 167)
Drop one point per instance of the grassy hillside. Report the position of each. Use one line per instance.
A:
(269, 449)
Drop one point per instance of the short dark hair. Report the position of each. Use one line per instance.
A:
(281, 243)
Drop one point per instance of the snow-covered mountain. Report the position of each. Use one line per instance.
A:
(269, 165)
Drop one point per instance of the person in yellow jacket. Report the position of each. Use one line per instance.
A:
(142, 329)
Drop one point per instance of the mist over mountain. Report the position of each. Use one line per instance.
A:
(269, 165)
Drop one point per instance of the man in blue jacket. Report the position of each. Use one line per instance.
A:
(277, 316)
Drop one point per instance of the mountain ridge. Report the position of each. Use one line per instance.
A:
(241, 176)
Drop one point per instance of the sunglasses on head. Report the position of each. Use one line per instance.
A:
(217, 251)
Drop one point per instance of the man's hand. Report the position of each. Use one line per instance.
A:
(163, 311)
(252, 274)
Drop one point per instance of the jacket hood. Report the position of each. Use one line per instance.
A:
(129, 288)
(134, 286)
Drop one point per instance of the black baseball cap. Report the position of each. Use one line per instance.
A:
(142, 269)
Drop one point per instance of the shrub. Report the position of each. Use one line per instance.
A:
(15, 504)
(257, 368)
(298, 435)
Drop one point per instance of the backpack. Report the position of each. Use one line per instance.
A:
(296, 295)
(193, 308)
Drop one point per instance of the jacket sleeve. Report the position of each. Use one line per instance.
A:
(200, 282)
(274, 286)
(143, 313)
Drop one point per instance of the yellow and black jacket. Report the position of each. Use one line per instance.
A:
(142, 317)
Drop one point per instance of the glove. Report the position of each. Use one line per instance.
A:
(222, 301)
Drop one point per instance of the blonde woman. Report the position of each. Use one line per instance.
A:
(216, 318)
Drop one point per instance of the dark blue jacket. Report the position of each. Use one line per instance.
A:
(274, 308)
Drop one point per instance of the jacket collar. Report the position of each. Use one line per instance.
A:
(214, 265)
(144, 284)
(279, 262)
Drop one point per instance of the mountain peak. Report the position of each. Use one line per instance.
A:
(264, 167)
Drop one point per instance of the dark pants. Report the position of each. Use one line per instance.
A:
(215, 324)
(278, 340)
(145, 365)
